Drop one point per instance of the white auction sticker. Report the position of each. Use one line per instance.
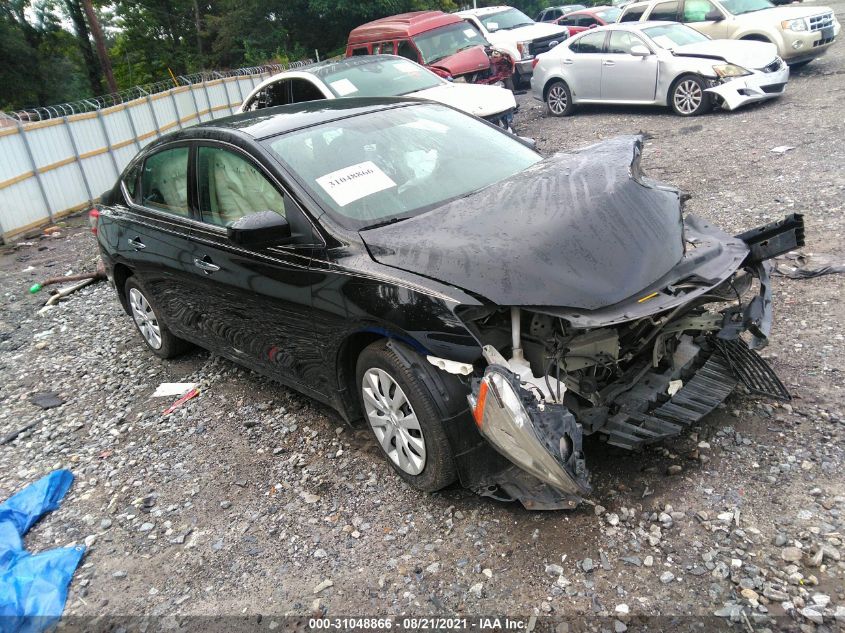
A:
(343, 87)
(355, 182)
(470, 32)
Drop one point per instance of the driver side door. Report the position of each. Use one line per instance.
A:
(252, 305)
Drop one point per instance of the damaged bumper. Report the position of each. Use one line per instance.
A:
(758, 86)
(526, 421)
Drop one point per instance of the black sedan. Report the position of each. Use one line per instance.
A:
(480, 307)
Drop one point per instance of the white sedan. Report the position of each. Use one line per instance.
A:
(381, 76)
(657, 63)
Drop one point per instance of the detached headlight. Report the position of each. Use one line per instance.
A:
(794, 25)
(524, 49)
(503, 419)
(730, 70)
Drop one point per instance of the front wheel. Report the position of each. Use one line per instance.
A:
(402, 413)
(559, 99)
(687, 96)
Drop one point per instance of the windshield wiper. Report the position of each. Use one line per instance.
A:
(385, 223)
(516, 26)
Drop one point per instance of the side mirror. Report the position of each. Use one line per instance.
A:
(714, 16)
(265, 228)
(638, 50)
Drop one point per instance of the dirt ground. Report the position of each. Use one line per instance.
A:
(252, 499)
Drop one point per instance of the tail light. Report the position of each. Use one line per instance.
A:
(534, 62)
(93, 218)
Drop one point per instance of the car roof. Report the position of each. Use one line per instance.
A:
(328, 67)
(267, 122)
(401, 25)
(484, 10)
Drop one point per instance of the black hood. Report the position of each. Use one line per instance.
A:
(581, 230)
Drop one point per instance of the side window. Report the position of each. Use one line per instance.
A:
(304, 90)
(231, 187)
(130, 180)
(556, 13)
(569, 20)
(590, 43)
(405, 49)
(164, 181)
(697, 10)
(360, 51)
(383, 48)
(633, 14)
(587, 20)
(665, 11)
(621, 42)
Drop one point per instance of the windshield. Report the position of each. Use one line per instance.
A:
(447, 40)
(670, 36)
(383, 77)
(609, 15)
(393, 164)
(504, 20)
(738, 7)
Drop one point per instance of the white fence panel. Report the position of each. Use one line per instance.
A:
(51, 168)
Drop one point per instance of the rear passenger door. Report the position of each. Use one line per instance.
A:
(154, 238)
(254, 304)
(583, 66)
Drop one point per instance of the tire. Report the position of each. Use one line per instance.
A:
(419, 453)
(154, 333)
(558, 99)
(687, 96)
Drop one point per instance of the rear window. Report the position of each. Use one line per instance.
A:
(633, 14)
(664, 12)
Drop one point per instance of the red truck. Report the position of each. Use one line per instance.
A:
(442, 42)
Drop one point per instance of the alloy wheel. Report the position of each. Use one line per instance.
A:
(688, 96)
(557, 99)
(393, 421)
(145, 318)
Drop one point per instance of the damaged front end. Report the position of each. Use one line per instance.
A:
(634, 375)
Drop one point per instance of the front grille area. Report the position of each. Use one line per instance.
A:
(541, 44)
(774, 66)
(823, 42)
(772, 88)
(821, 21)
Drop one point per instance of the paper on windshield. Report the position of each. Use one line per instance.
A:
(470, 32)
(343, 87)
(355, 182)
(492, 26)
(406, 67)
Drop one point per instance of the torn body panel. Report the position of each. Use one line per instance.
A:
(758, 86)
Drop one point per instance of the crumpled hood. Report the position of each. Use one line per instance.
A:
(464, 62)
(477, 99)
(581, 230)
(743, 53)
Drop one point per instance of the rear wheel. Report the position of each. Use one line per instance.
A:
(402, 413)
(155, 333)
(559, 99)
(687, 96)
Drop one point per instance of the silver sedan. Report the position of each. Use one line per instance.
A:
(657, 63)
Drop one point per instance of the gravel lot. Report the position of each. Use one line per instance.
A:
(252, 499)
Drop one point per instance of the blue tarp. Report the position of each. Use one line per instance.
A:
(33, 587)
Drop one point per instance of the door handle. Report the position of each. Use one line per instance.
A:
(206, 265)
(136, 243)
(607, 62)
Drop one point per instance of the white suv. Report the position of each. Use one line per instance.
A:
(801, 33)
(518, 35)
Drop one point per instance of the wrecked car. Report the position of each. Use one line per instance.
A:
(657, 63)
(480, 316)
(441, 42)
